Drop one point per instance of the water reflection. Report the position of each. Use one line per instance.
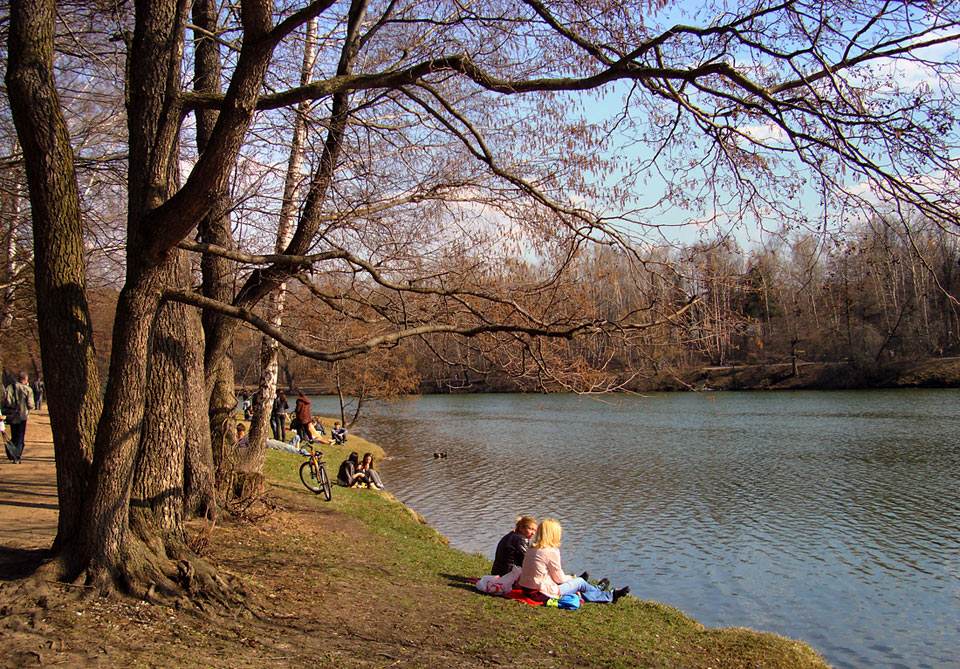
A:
(831, 517)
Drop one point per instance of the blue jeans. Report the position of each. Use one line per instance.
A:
(278, 425)
(589, 592)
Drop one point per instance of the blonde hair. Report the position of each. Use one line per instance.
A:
(524, 521)
(548, 534)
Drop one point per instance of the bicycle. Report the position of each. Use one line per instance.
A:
(313, 473)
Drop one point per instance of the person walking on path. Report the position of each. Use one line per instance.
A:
(17, 404)
(39, 391)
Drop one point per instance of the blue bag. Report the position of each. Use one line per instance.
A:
(571, 601)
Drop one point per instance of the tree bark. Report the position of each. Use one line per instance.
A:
(218, 274)
(66, 335)
(156, 503)
(199, 485)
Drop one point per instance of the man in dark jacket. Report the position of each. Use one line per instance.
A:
(278, 416)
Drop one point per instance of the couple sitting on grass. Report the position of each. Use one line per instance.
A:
(355, 474)
(536, 570)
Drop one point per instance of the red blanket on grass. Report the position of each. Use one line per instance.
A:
(533, 598)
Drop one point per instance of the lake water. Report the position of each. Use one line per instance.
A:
(831, 517)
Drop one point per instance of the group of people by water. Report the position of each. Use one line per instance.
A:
(527, 557)
(306, 428)
(353, 472)
(356, 473)
(535, 568)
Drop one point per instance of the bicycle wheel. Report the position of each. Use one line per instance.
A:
(309, 477)
(325, 482)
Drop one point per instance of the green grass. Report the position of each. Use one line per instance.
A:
(631, 633)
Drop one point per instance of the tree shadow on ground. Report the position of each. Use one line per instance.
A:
(17, 563)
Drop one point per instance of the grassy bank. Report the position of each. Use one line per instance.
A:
(360, 581)
(402, 549)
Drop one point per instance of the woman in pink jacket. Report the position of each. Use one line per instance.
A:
(542, 571)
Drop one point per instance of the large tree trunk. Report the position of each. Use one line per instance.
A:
(157, 220)
(105, 521)
(156, 504)
(218, 274)
(152, 88)
(66, 336)
(199, 483)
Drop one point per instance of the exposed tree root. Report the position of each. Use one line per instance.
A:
(172, 576)
(251, 507)
(199, 543)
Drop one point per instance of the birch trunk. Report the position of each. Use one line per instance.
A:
(268, 346)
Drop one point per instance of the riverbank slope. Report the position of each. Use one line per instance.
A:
(359, 581)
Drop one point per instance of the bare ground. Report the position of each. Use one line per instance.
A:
(305, 567)
(325, 588)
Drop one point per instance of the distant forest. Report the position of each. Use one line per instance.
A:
(851, 309)
(860, 304)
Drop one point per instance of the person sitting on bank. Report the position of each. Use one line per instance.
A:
(542, 574)
(338, 433)
(350, 475)
(373, 478)
(315, 434)
(513, 546)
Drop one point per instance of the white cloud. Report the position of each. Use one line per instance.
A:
(768, 133)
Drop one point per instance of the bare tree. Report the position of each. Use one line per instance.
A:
(446, 149)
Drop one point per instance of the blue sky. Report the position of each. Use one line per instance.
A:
(715, 216)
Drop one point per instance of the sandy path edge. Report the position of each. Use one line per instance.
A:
(28, 492)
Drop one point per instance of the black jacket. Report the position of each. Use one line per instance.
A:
(510, 551)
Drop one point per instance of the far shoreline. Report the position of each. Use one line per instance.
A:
(929, 373)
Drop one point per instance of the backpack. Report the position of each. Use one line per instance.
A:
(11, 407)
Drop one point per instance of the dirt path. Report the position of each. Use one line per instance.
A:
(28, 491)
(301, 567)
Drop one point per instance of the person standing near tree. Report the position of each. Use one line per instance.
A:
(17, 404)
(278, 416)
